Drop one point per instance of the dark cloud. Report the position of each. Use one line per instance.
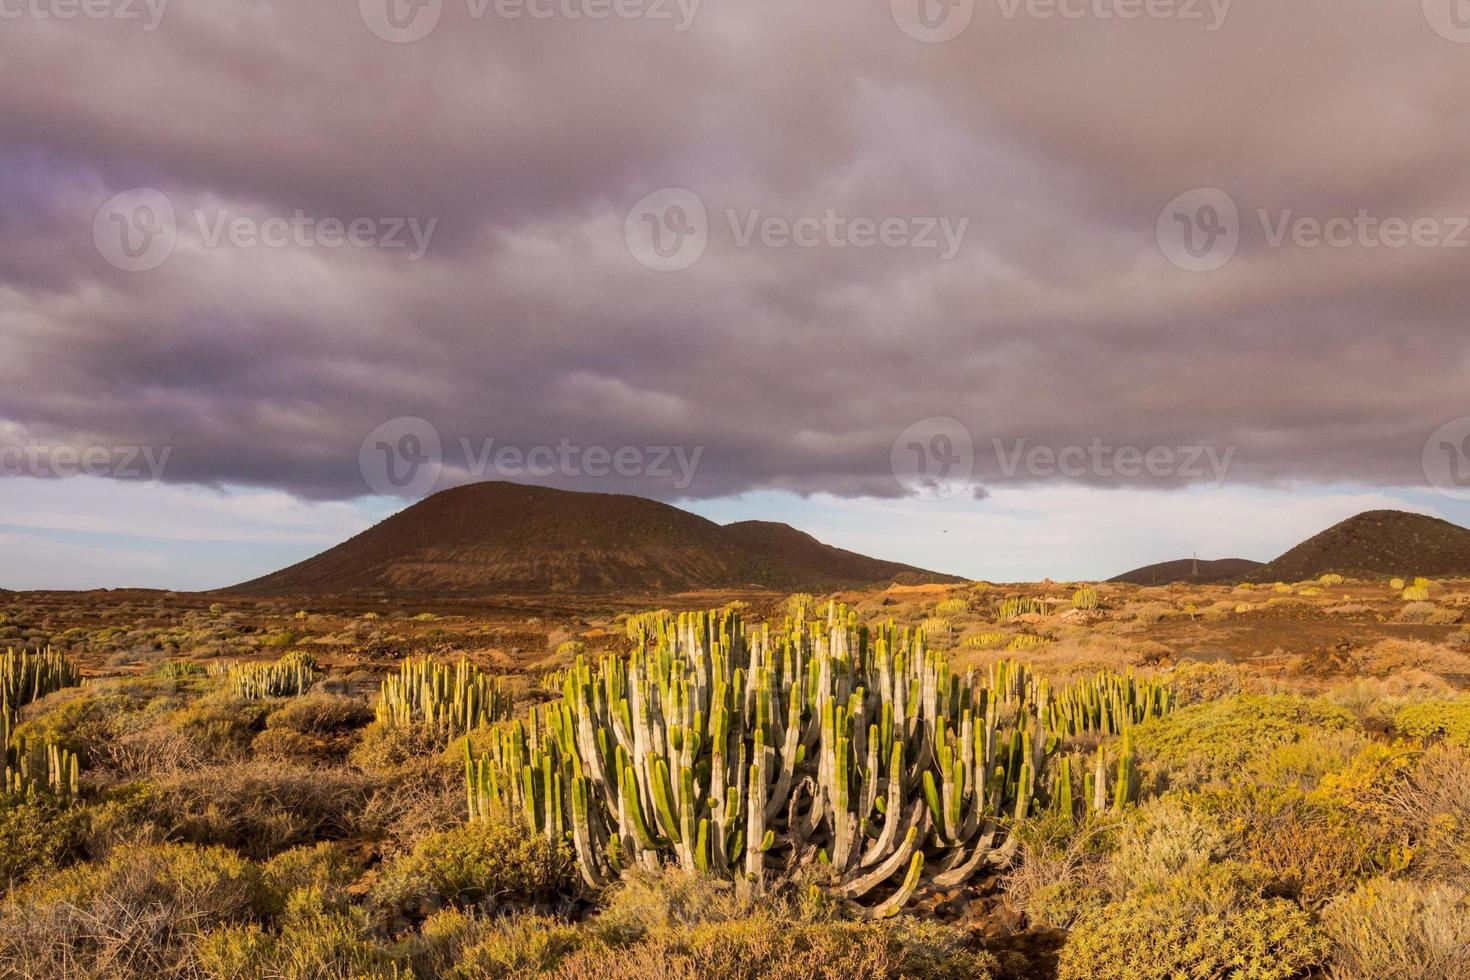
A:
(528, 321)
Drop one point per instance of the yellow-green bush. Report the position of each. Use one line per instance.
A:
(137, 914)
(1397, 930)
(1214, 923)
(310, 943)
(319, 713)
(1214, 740)
(493, 865)
(1445, 719)
(37, 837)
(1194, 681)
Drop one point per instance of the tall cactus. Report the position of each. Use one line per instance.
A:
(33, 769)
(821, 750)
(29, 675)
(450, 700)
(293, 674)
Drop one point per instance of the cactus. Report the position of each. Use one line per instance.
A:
(985, 641)
(952, 607)
(33, 769)
(449, 700)
(1416, 593)
(1331, 578)
(29, 675)
(1107, 704)
(1085, 598)
(817, 751)
(293, 674)
(1018, 606)
(1026, 641)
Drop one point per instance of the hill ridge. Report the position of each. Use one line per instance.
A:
(500, 536)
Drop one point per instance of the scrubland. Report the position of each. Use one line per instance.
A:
(1301, 809)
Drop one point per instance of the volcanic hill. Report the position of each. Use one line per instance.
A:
(507, 537)
(1376, 543)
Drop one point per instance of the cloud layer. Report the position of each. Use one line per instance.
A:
(530, 320)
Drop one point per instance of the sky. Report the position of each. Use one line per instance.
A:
(1007, 288)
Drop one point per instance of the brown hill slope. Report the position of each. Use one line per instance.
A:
(1377, 543)
(1190, 570)
(498, 536)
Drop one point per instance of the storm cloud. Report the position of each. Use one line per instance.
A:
(838, 158)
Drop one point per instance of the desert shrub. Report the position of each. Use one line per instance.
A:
(1194, 681)
(763, 947)
(311, 943)
(1433, 803)
(1436, 719)
(1429, 614)
(570, 649)
(323, 870)
(1391, 930)
(387, 748)
(1214, 740)
(1331, 578)
(319, 713)
(137, 914)
(36, 837)
(486, 864)
(1162, 841)
(260, 808)
(1215, 923)
(1062, 872)
(1301, 846)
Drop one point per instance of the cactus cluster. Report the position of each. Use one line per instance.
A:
(1106, 704)
(1085, 598)
(35, 768)
(448, 700)
(293, 674)
(30, 768)
(952, 607)
(1018, 606)
(647, 626)
(1416, 593)
(850, 758)
(28, 675)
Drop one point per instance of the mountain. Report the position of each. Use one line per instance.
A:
(507, 537)
(1190, 570)
(1377, 543)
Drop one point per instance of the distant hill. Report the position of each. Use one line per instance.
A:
(498, 536)
(1190, 570)
(1377, 543)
